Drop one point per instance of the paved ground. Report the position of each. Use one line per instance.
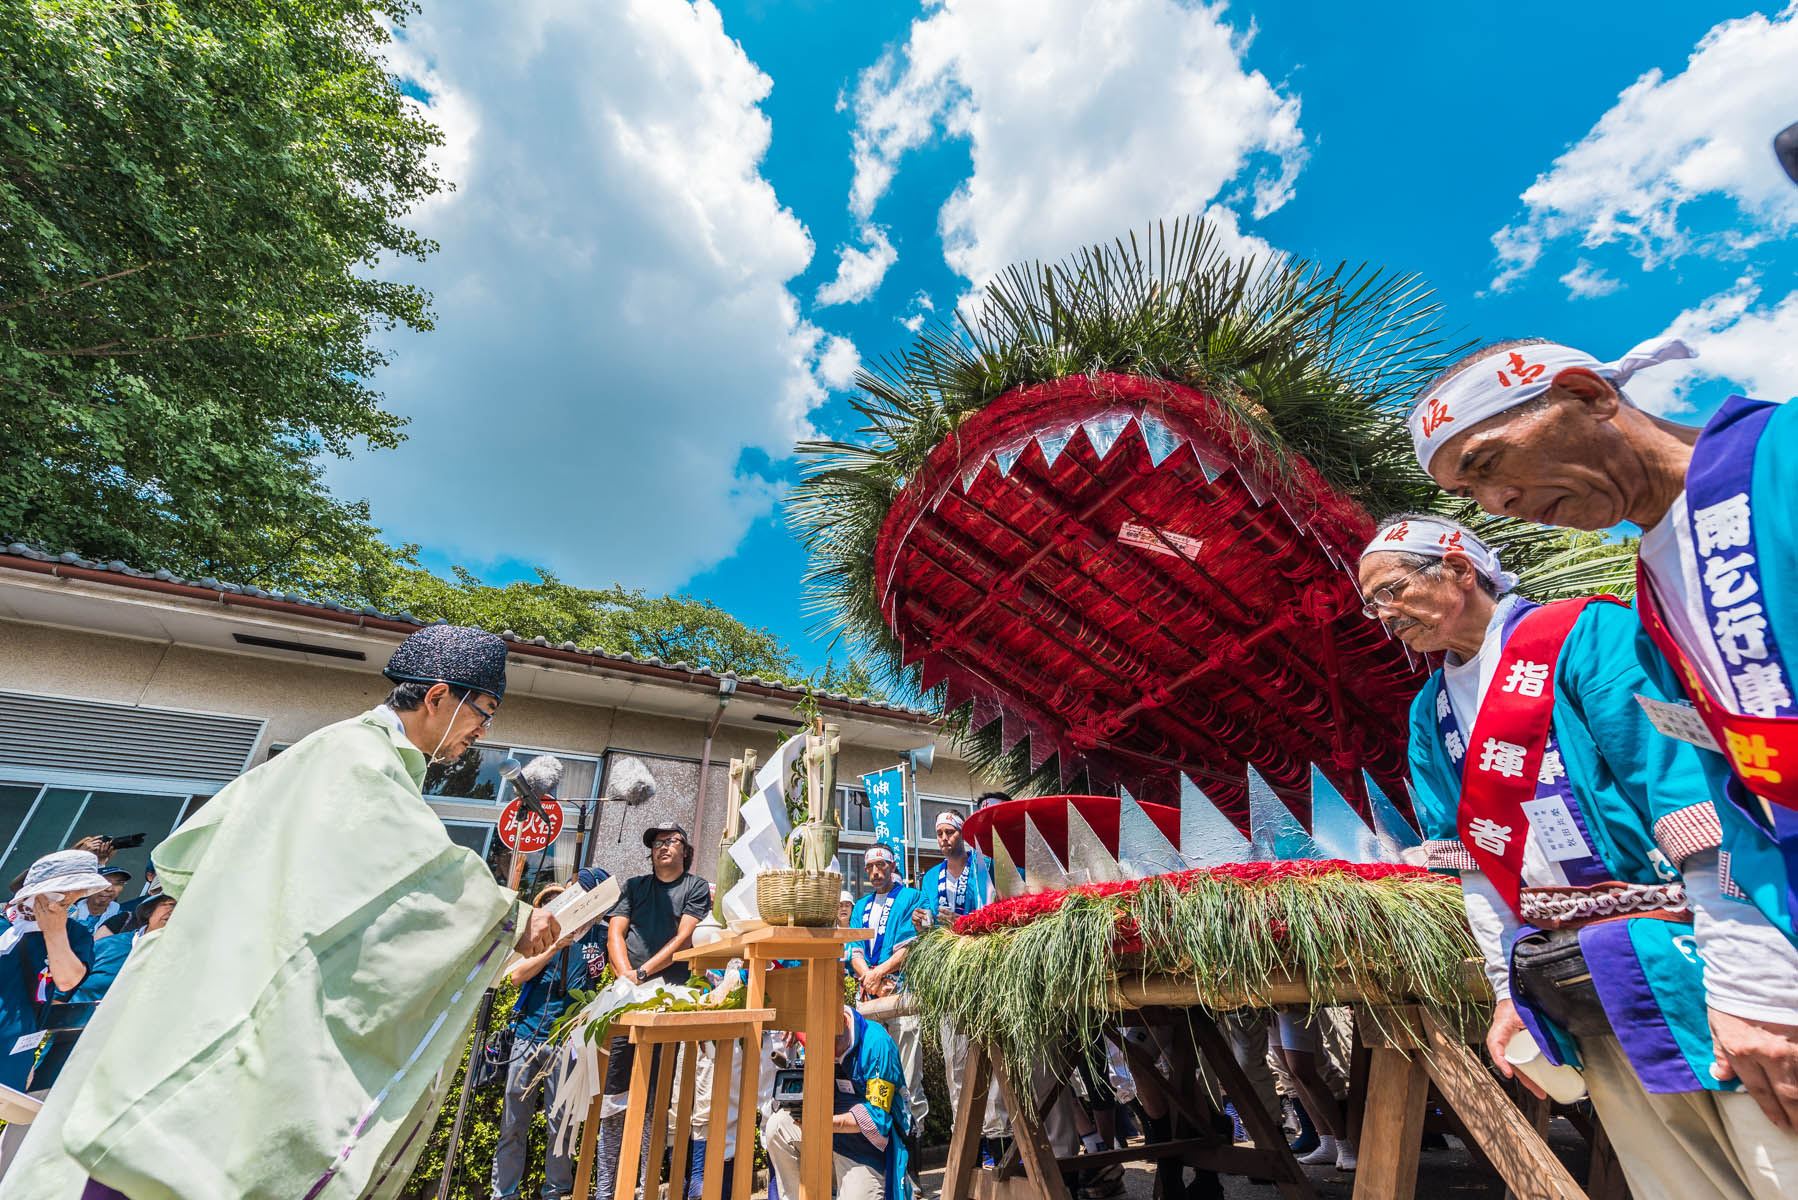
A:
(1442, 1175)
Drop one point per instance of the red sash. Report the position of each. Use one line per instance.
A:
(1504, 755)
(1762, 751)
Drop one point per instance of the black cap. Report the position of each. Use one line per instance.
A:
(456, 654)
(650, 834)
(116, 872)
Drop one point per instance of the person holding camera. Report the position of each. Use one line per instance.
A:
(868, 1123)
(544, 981)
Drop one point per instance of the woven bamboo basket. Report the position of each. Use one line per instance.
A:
(788, 897)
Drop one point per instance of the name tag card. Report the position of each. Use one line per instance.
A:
(1679, 721)
(1554, 828)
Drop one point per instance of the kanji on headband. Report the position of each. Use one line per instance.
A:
(1505, 379)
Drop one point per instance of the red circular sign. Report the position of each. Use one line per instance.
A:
(529, 835)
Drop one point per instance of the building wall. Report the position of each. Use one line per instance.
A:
(296, 698)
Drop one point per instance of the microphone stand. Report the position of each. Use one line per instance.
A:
(476, 1051)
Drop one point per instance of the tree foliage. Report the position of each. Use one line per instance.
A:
(192, 195)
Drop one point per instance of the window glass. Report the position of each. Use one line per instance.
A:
(68, 814)
(473, 835)
(16, 800)
(474, 776)
(854, 805)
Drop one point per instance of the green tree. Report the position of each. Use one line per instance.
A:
(192, 197)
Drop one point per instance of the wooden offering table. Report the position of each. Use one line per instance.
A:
(806, 999)
(1407, 1050)
(663, 1037)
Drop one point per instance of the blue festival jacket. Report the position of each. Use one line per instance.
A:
(1634, 790)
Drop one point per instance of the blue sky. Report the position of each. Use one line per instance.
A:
(678, 228)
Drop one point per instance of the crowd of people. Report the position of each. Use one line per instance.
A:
(1616, 785)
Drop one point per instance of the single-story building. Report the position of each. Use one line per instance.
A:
(127, 699)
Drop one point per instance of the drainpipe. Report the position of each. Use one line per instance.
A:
(727, 687)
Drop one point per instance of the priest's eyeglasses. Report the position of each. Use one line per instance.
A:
(1387, 595)
(486, 717)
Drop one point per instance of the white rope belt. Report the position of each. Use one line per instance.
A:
(1568, 907)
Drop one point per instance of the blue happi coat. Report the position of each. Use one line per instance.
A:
(871, 1084)
(1637, 795)
(1761, 860)
(938, 889)
(894, 932)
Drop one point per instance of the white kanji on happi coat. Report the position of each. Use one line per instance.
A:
(1504, 757)
(1456, 749)
(1490, 836)
(1551, 768)
(1761, 689)
(1442, 704)
(1526, 678)
(1723, 525)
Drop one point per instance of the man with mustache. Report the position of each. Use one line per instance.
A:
(1537, 776)
(1541, 431)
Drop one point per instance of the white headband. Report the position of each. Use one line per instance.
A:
(948, 817)
(1506, 378)
(1434, 539)
(876, 854)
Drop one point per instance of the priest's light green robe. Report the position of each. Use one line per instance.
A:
(290, 1034)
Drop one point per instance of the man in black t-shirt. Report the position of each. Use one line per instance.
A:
(653, 920)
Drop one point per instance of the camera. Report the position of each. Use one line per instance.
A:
(125, 842)
(789, 1089)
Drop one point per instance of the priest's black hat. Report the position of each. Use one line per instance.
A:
(456, 654)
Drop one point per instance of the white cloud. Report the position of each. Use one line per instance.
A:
(1706, 131)
(860, 270)
(839, 363)
(921, 308)
(615, 327)
(1752, 346)
(1084, 121)
(1587, 282)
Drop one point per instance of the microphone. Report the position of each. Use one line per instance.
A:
(533, 781)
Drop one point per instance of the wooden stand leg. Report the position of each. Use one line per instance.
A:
(970, 1119)
(712, 1186)
(658, 1116)
(744, 1173)
(683, 1120)
(1523, 1159)
(636, 1106)
(583, 1158)
(1028, 1137)
(823, 1017)
(1391, 1126)
(1604, 1178)
(1288, 1175)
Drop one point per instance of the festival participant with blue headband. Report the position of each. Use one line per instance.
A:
(1538, 777)
(878, 964)
(1545, 432)
(293, 1030)
(954, 888)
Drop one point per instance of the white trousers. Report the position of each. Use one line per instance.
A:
(1687, 1145)
(781, 1140)
(908, 1035)
(955, 1061)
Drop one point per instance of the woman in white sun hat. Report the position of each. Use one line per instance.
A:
(43, 955)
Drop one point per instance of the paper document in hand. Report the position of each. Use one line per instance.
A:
(576, 907)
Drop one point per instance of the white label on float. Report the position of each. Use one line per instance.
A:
(1159, 541)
